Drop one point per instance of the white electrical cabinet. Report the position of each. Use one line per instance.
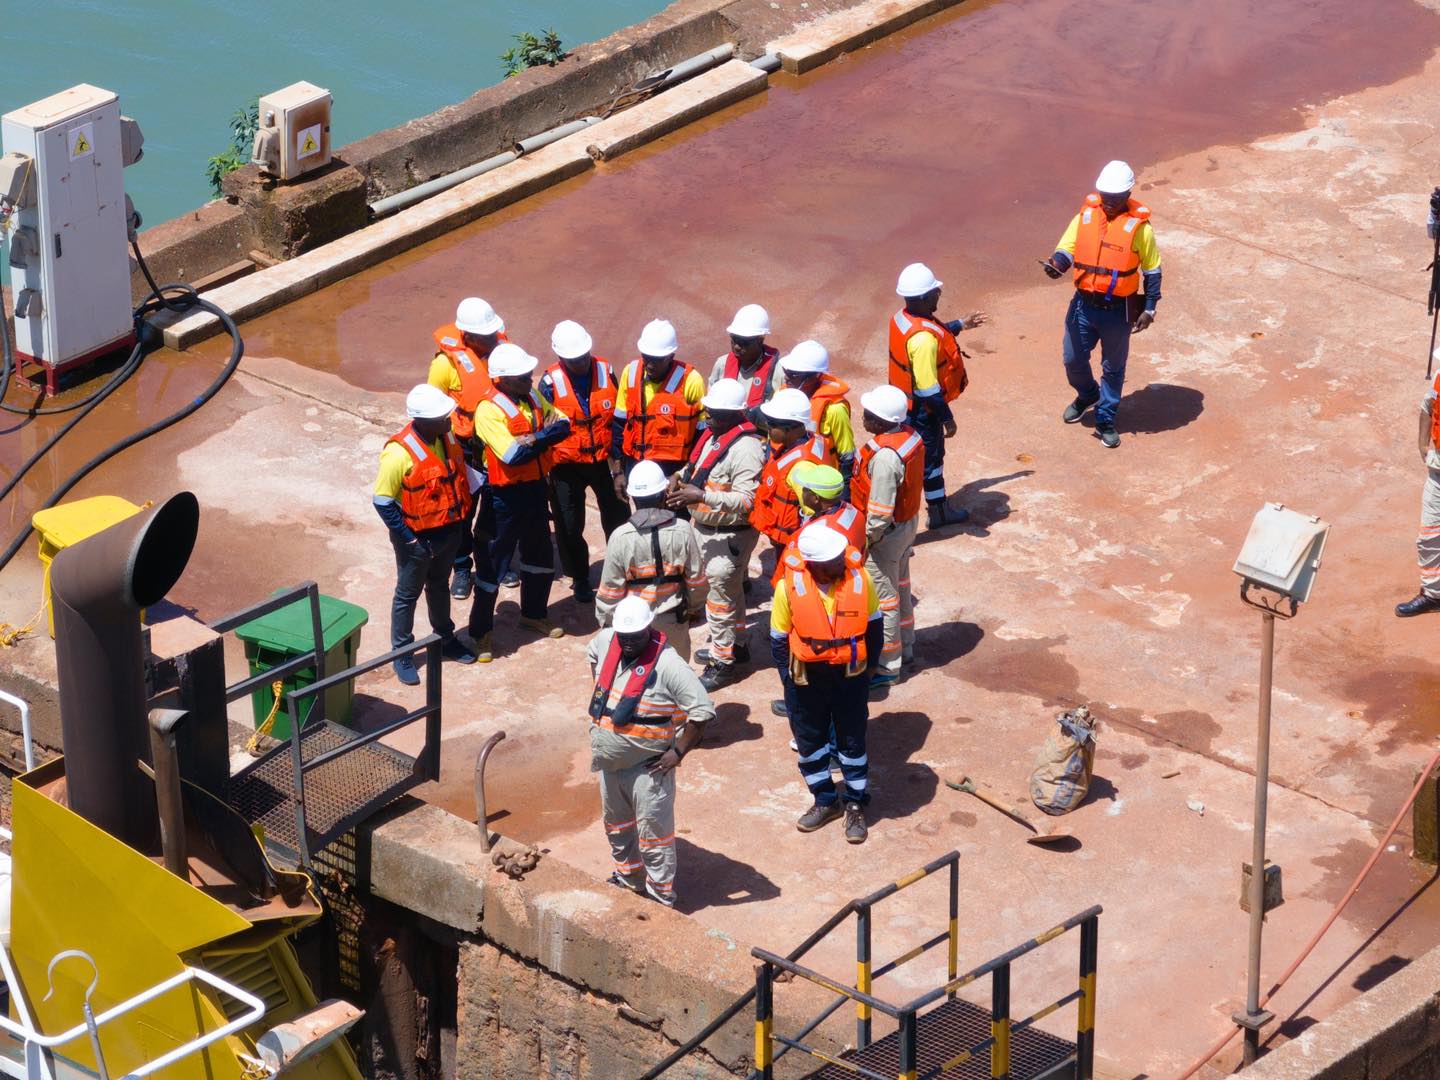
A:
(70, 268)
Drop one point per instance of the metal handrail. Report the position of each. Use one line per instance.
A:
(24, 707)
(848, 1066)
(834, 986)
(314, 658)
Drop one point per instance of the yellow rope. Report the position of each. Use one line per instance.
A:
(11, 635)
(253, 745)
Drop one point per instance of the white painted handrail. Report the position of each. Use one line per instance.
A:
(24, 727)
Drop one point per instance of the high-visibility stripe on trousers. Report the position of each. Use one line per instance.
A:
(1428, 544)
(639, 814)
(726, 556)
(888, 561)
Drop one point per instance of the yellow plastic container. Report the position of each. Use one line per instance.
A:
(69, 523)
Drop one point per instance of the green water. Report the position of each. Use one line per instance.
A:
(181, 68)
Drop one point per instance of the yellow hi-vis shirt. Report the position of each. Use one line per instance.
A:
(924, 353)
(443, 375)
(835, 426)
(780, 619)
(493, 428)
(1142, 242)
(395, 465)
(693, 388)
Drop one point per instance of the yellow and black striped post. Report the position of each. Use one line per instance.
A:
(954, 967)
(1085, 1024)
(1000, 1023)
(862, 976)
(764, 1020)
(908, 1050)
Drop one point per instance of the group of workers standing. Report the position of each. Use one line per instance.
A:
(689, 475)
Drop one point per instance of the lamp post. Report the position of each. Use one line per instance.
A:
(1277, 565)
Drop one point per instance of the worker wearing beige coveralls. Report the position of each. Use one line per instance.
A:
(636, 760)
(1428, 544)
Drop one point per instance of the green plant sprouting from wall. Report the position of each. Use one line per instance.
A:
(244, 122)
(532, 51)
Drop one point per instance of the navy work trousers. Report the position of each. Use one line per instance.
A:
(835, 706)
(1085, 327)
(512, 531)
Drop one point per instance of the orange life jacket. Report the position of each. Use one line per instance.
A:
(474, 375)
(663, 430)
(905, 441)
(589, 438)
(831, 391)
(757, 386)
(436, 491)
(777, 508)
(626, 713)
(518, 424)
(949, 363)
(1435, 415)
(821, 637)
(1105, 257)
(845, 518)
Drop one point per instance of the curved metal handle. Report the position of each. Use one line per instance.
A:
(480, 814)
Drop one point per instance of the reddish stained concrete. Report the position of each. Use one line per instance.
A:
(1285, 365)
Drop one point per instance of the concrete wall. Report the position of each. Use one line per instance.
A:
(562, 975)
(1392, 1031)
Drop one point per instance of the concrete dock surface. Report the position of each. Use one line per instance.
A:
(1285, 151)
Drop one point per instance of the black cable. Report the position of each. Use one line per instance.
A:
(188, 298)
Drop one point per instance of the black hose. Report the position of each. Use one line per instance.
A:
(187, 299)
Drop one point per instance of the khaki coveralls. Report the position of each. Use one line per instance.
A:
(888, 558)
(727, 541)
(630, 556)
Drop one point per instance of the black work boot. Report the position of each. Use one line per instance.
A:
(942, 514)
(1422, 604)
(855, 830)
(1108, 435)
(717, 675)
(1076, 409)
(817, 817)
(462, 583)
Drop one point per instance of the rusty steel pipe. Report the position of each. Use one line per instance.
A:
(480, 814)
(165, 764)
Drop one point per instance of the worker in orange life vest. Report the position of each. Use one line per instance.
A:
(423, 496)
(825, 635)
(460, 368)
(581, 387)
(750, 361)
(792, 441)
(806, 368)
(1428, 544)
(927, 364)
(1110, 246)
(657, 406)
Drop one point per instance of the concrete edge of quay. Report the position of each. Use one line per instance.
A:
(308, 235)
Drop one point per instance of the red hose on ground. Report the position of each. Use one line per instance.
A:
(1219, 1044)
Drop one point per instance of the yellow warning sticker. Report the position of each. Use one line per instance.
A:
(82, 141)
(307, 141)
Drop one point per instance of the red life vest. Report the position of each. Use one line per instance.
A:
(949, 363)
(818, 636)
(757, 386)
(777, 508)
(436, 491)
(517, 423)
(905, 441)
(589, 438)
(663, 430)
(474, 375)
(1435, 415)
(1105, 258)
(621, 716)
(711, 450)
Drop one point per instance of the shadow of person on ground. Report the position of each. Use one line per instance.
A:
(898, 786)
(936, 646)
(1155, 408)
(709, 879)
(732, 724)
(986, 507)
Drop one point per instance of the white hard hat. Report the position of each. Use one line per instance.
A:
(807, 356)
(887, 402)
(570, 340)
(426, 402)
(475, 316)
(632, 615)
(509, 360)
(1115, 179)
(646, 479)
(820, 543)
(916, 280)
(789, 406)
(725, 395)
(658, 339)
(752, 320)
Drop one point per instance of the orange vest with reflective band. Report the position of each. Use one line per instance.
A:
(663, 430)
(1105, 258)
(436, 491)
(757, 386)
(906, 442)
(474, 375)
(1435, 415)
(589, 438)
(818, 636)
(845, 518)
(949, 364)
(831, 391)
(777, 508)
(518, 424)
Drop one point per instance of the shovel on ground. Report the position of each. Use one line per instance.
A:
(1051, 834)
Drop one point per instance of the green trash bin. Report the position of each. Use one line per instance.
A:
(286, 633)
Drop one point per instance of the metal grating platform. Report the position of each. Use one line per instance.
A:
(338, 793)
(948, 1030)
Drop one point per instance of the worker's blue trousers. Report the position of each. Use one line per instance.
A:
(1086, 327)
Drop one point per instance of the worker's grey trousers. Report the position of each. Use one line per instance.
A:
(1428, 544)
(726, 555)
(639, 813)
(889, 564)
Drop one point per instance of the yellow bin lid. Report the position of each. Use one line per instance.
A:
(71, 522)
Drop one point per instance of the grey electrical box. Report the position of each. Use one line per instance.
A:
(1274, 893)
(1282, 551)
(294, 134)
